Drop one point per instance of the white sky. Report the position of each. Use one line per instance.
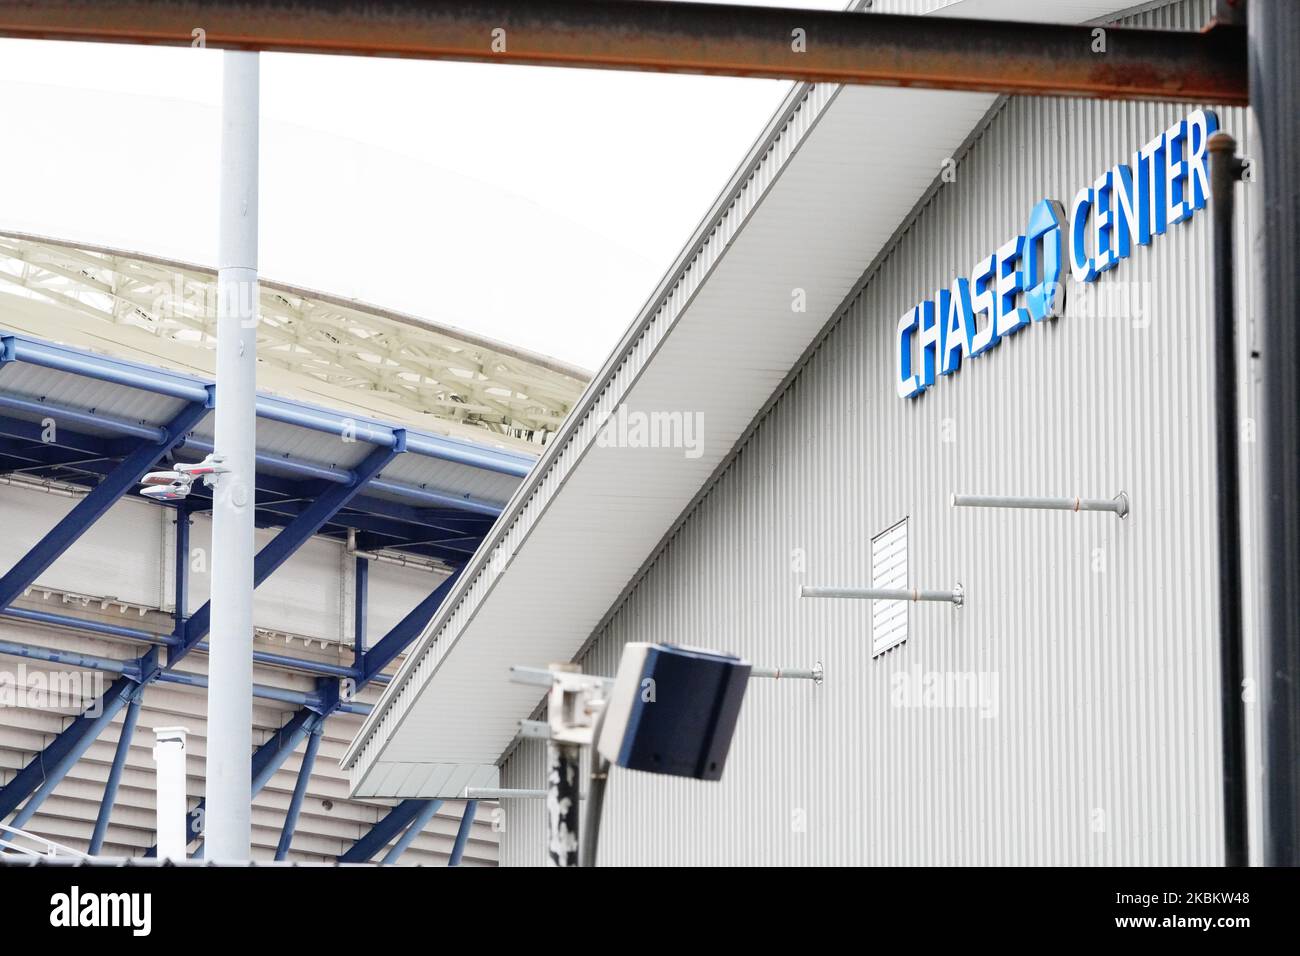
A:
(538, 206)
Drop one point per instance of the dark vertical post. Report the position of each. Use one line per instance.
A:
(1225, 170)
(360, 606)
(1274, 37)
(182, 566)
(562, 773)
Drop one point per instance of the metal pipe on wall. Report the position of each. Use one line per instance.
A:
(1118, 505)
(955, 596)
(1225, 170)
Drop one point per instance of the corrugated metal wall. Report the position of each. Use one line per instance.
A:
(1096, 739)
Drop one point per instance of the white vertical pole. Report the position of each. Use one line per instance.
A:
(230, 660)
(169, 757)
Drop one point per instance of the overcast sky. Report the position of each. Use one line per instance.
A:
(538, 206)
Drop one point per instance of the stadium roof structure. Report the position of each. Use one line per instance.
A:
(81, 417)
(311, 346)
(815, 206)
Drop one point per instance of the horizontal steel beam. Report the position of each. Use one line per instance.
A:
(15, 348)
(269, 658)
(51, 655)
(704, 38)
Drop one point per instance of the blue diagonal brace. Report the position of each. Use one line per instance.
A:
(90, 508)
(462, 834)
(266, 761)
(299, 791)
(293, 536)
(268, 757)
(405, 631)
(417, 826)
(377, 837)
(115, 774)
(48, 767)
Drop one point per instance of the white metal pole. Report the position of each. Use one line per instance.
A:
(169, 757)
(230, 660)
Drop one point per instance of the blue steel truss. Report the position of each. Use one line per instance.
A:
(109, 456)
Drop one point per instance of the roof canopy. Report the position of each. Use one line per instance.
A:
(817, 200)
(70, 416)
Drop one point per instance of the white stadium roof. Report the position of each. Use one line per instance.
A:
(312, 347)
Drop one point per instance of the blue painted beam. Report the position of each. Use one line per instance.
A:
(32, 457)
(417, 825)
(65, 415)
(268, 757)
(299, 791)
(375, 660)
(133, 669)
(61, 358)
(18, 429)
(383, 531)
(284, 661)
(377, 837)
(266, 761)
(406, 630)
(115, 773)
(462, 834)
(460, 509)
(14, 348)
(123, 478)
(294, 535)
(71, 658)
(439, 499)
(52, 763)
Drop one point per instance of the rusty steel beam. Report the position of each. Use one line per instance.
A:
(707, 38)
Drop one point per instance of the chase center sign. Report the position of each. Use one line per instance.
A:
(1021, 283)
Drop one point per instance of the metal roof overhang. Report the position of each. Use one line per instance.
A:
(101, 405)
(817, 200)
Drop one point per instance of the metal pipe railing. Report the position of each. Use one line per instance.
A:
(955, 596)
(1118, 505)
(814, 673)
(495, 793)
(270, 659)
(48, 655)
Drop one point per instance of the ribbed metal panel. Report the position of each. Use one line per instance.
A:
(1100, 744)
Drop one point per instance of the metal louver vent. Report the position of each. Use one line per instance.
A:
(889, 570)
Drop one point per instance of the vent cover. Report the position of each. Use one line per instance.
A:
(889, 570)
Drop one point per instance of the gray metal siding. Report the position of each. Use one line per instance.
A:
(1101, 633)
